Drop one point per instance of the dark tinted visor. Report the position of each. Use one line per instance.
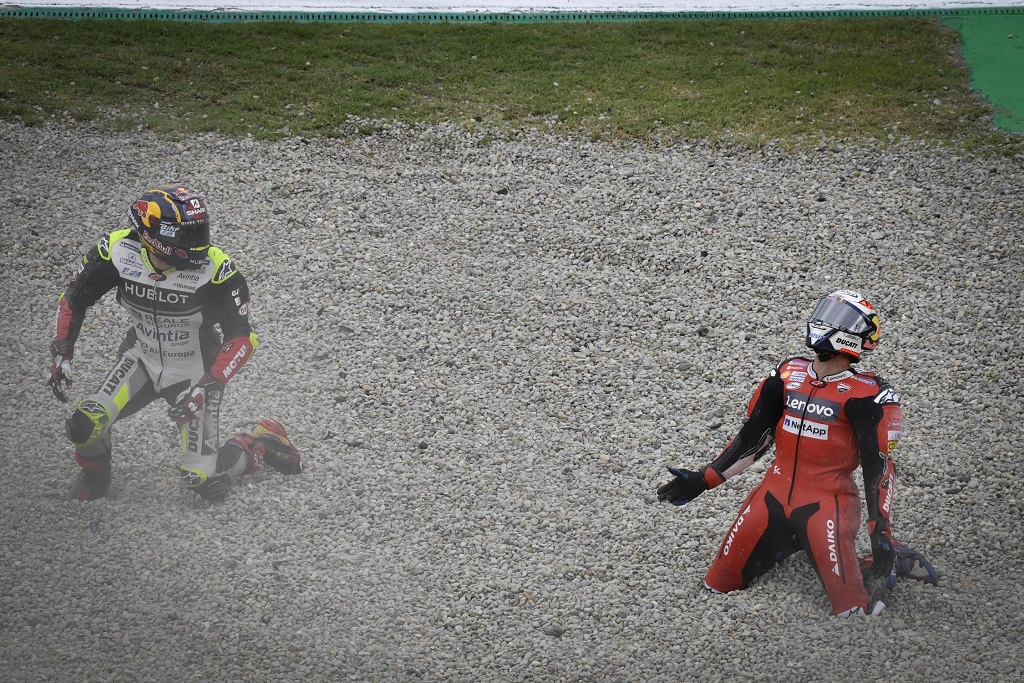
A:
(192, 235)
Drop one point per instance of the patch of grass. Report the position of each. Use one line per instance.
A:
(749, 81)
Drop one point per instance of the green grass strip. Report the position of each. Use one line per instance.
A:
(743, 80)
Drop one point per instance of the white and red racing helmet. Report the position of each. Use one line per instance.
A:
(843, 322)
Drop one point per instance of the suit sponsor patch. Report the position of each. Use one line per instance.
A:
(806, 406)
(887, 396)
(813, 430)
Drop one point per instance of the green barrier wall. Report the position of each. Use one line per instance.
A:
(463, 17)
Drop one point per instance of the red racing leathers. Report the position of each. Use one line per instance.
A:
(823, 429)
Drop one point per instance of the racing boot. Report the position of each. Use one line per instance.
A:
(93, 480)
(272, 446)
(242, 446)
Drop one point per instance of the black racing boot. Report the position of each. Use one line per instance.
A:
(93, 480)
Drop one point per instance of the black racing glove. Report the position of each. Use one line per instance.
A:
(883, 558)
(686, 486)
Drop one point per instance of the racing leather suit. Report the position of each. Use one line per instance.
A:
(823, 428)
(172, 343)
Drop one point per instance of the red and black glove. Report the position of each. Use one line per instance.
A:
(191, 401)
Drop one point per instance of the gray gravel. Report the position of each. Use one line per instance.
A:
(488, 347)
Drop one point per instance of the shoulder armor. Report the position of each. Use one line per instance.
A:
(118, 239)
(107, 245)
(886, 393)
(223, 266)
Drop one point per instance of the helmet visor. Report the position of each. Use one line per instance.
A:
(841, 315)
(190, 235)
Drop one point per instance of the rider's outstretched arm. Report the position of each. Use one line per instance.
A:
(753, 440)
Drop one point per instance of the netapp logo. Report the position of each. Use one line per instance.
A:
(813, 430)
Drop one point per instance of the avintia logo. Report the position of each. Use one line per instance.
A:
(161, 335)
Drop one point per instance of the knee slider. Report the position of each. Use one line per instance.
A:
(86, 424)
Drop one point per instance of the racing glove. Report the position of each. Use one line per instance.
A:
(60, 371)
(911, 564)
(686, 486)
(883, 557)
(191, 401)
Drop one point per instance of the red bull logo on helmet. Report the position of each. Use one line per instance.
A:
(156, 245)
(149, 212)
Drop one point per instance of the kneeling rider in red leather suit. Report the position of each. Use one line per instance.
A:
(826, 419)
